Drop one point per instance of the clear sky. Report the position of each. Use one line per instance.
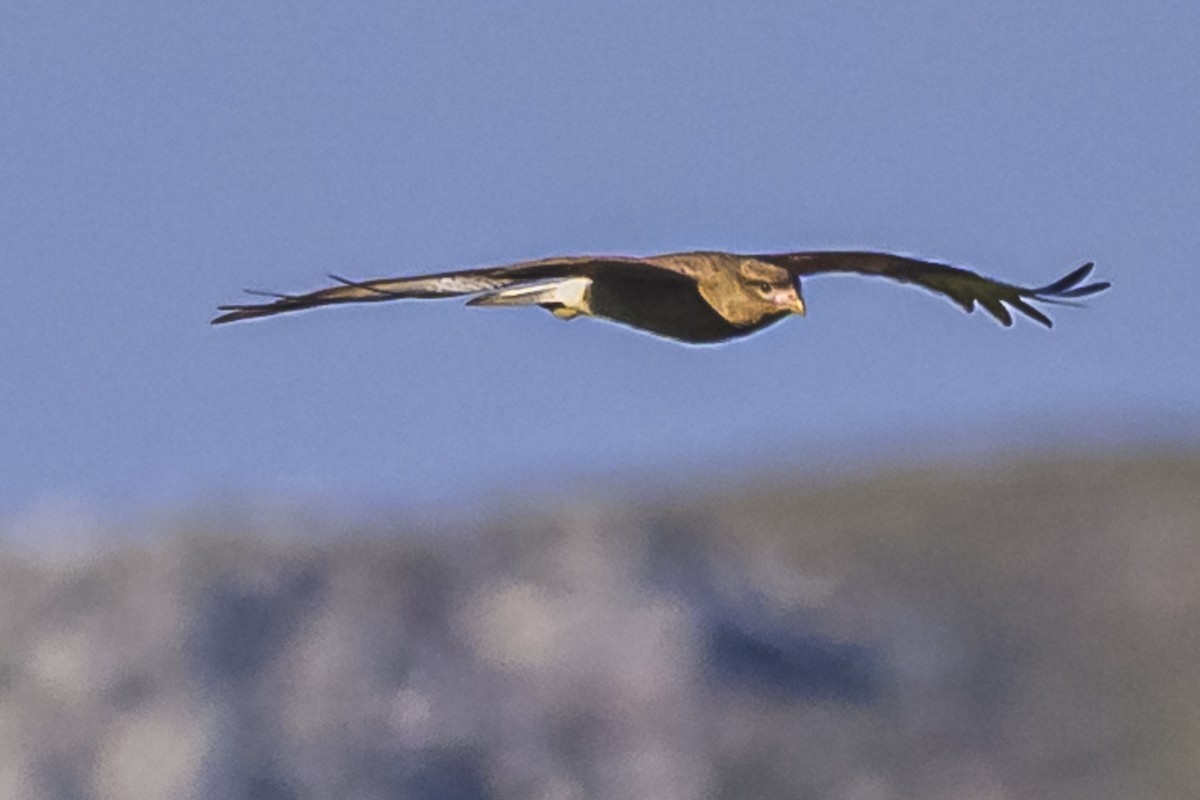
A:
(156, 158)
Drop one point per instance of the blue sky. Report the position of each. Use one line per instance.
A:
(157, 158)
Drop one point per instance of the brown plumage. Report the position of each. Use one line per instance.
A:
(698, 298)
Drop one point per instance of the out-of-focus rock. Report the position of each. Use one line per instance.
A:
(1025, 630)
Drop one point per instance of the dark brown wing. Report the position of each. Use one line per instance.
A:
(964, 287)
(443, 284)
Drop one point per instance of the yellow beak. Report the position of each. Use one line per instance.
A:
(798, 306)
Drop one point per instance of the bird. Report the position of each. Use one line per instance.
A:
(698, 297)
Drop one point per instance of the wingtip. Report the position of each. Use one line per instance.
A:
(1069, 285)
(222, 319)
(235, 314)
(1066, 282)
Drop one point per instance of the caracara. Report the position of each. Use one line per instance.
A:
(698, 298)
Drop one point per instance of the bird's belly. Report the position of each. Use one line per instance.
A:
(673, 309)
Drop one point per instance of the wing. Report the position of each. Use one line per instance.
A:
(964, 287)
(438, 285)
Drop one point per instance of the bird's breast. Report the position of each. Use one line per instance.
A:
(673, 308)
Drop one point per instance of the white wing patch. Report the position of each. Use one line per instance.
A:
(448, 285)
(567, 297)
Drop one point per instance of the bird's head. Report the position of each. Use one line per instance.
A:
(781, 294)
(749, 291)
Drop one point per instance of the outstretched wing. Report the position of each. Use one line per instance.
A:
(445, 284)
(964, 287)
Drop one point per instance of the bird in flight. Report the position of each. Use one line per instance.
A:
(697, 297)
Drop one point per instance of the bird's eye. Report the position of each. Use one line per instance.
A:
(764, 287)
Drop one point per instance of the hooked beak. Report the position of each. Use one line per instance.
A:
(797, 306)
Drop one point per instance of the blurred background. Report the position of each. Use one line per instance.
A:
(412, 550)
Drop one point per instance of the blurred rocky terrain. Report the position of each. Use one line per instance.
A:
(1024, 629)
